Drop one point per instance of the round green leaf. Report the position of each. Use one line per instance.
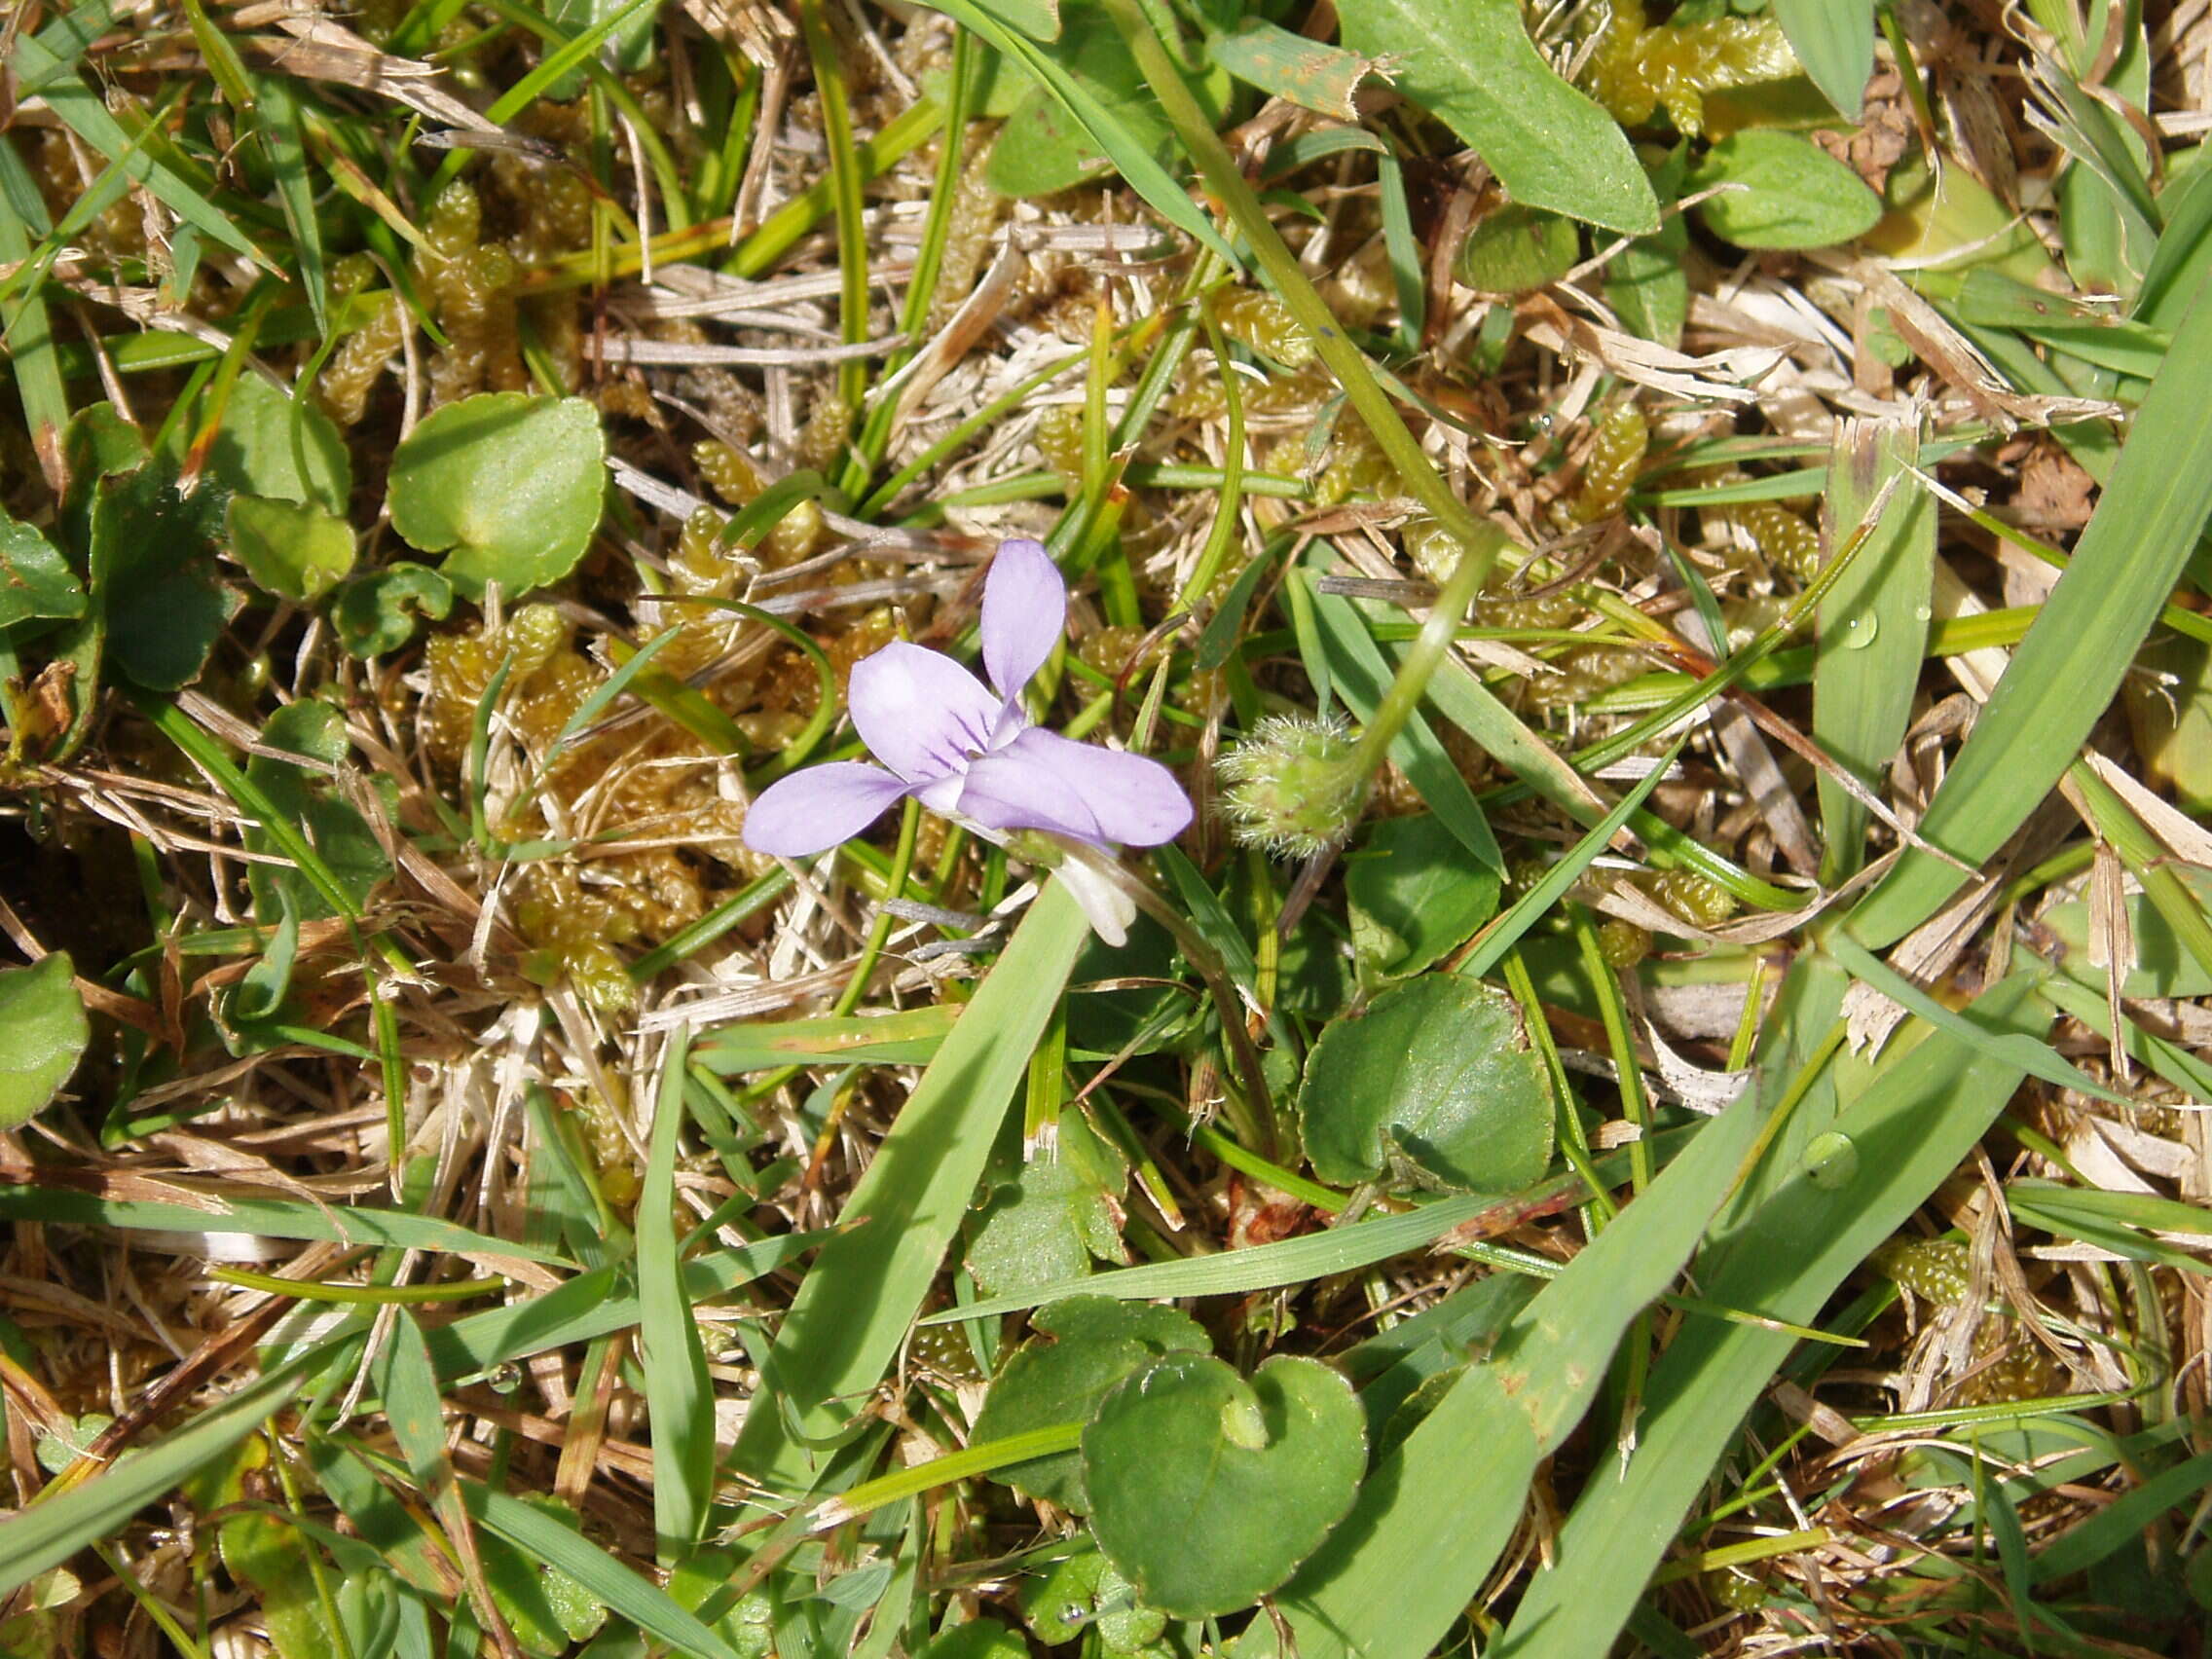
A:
(509, 486)
(286, 449)
(1438, 1075)
(374, 612)
(1518, 250)
(1786, 192)
(1206, 1490)
(1085, 1346)
(1415, 894)
(42, 1035)
(977, 1638)
(1056, 1212)
(294, 550)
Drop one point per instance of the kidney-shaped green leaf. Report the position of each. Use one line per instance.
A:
(1785, 191)
(1415, 894)
(1438, 1074)
(42, 1035)
(295, 550)
(506, 486)
(1470, 63)
(1207, 1490)
(1089, 1344)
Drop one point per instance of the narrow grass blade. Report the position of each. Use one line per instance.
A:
(2064, 675)
(1905, 1134)
(645, 1604)
(280, 141)
(678, 1395)
(857, 1303)
(1435, 1514)
(25, 331)
(1873, 624)
(46, 63)
(48, 1533)
(911, 1037)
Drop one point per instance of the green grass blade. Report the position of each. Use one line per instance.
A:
(1909, 1130)
(280, 141)
(1835, 40)
(52, 1530)
(24, 330)
(1873, 624)
(679, 1397)
(857, 1303)
(2067, 669)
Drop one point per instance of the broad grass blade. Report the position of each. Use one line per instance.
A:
(856, 1305)
(1835, 40)
(1873, 624)
(2067, 669)
(1906, 1134)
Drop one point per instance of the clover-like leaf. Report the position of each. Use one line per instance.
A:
(1415, 894)
(1438, 1073)
(1207, 1490)
(509, 486)
(42, 1035)
(295, 550)
(35, 580)
(376, 611)
(1784, 191)
(1087, 1343)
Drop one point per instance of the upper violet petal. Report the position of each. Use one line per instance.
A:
(920, 712)
(1025, 609)
(1043, 781)
(818, 808)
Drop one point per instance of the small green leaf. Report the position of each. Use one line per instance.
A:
(1060, 1208)
(42, 1035)
(35, 578)
(1415, 894)
(272, 444)
(308, 799)
(375, 611)
(1085, 1346)
(1472, 65)
(1645, 284)
(1086, 1592)
(1289, 66)
(508, 486)
(291, 549)
(977, 1638)
(1786, 192)
(1437, 1073)
(154, 574)
(547, 1610)
(1203, 1521)
(1517, 250)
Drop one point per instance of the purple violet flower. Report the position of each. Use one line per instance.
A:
(968, 752)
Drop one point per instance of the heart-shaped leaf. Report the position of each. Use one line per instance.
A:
(1207, 1490)
(42, 1035)
(374, 612)
(286, 449)
(295, 550)
(1415, 894)
(1438, 1073)
(1785, 191)
(1087, 1344)
(509, 486)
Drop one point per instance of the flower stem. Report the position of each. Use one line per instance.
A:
(1421, 661)
(1251, 1110)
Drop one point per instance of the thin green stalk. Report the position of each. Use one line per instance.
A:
(902, 864)
(1480, 542)
(845, 196)
(1420, 663)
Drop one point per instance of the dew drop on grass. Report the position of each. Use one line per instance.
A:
(1858, 633)
(1831, 1161)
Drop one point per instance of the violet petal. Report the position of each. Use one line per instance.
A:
(920, 712)
(1043, 781)
(1025, 609)
(818, 808)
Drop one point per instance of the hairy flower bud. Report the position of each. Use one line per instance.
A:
(1294, 786)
